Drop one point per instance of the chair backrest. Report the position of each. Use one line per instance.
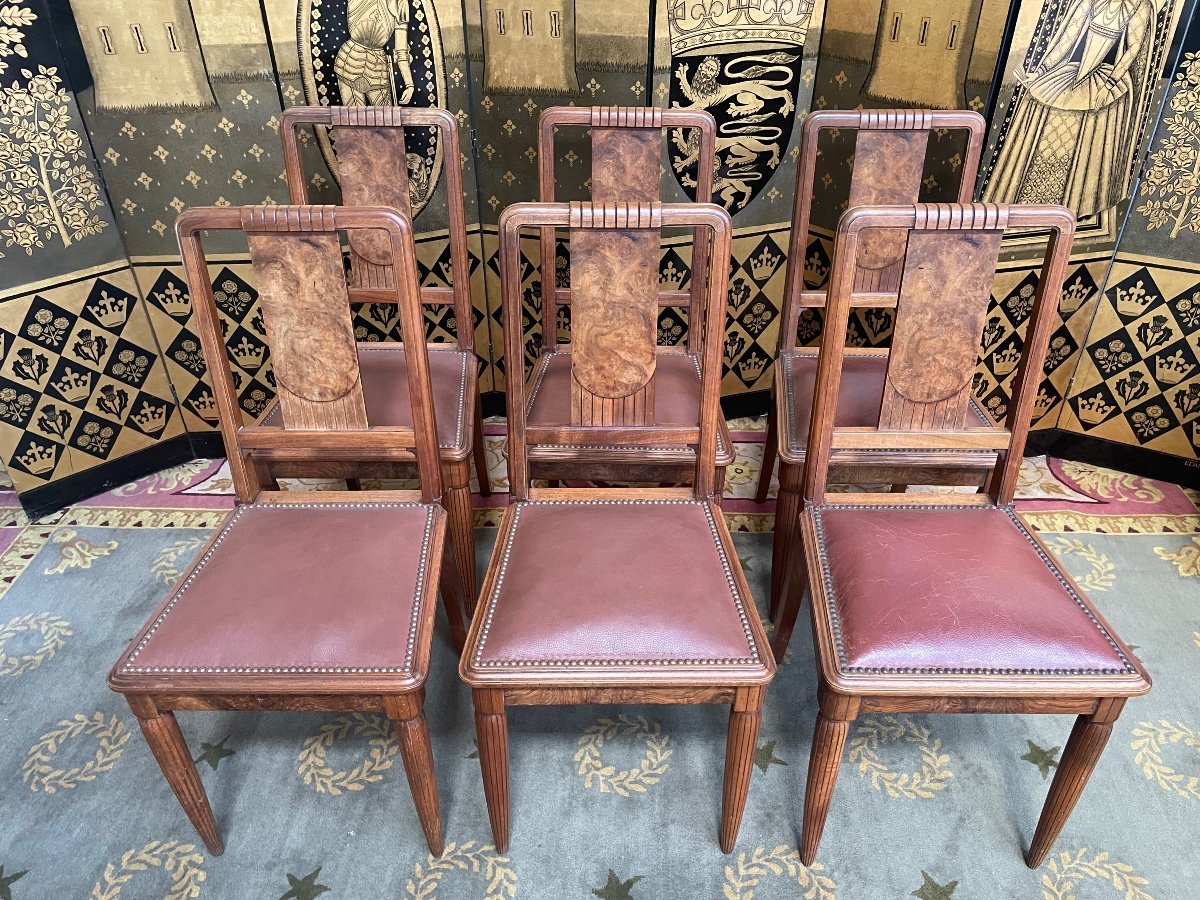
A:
(373, 170)
(297, 258)
(613, 354)
(626, 155)
(889, 160)
(950, 257)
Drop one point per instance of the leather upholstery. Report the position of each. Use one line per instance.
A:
(676, 397)
(953, 590)
(385, 390)
(617, 585)
(863, 379)
(322, 588)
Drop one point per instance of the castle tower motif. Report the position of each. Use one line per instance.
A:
(144, 54)
(922, 52)
(529, 47)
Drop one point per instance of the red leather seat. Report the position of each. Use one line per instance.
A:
(952, 591)
(676, 398)
(384, 375)
(651, 592)
(321, 590)
(859, 401)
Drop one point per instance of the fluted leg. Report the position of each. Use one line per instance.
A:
(1079, 758)
(479, 453)
(787, 516)
(744, 720)
(491, 730)
(462, 530)
(412, 733)
(171, 750)
(770, 454)
(829, 738)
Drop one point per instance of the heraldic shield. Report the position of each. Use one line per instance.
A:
(377, 53)
(740, 62)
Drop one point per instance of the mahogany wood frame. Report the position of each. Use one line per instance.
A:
(495, 690)
(154, 698)
(371, 284)
(890, 149)
(1096, 700)
(626, 149)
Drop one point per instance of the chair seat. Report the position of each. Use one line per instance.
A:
(676, 402)
(384, 372)
(952, 591)
(326, 590)
(863, 377)
(616, 591)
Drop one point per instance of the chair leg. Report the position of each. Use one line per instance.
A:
(829, 739)
(171, 750)
(719, 486)
(1080, 756)
(453, 599)
(787, 515)
(770, 454)
(744, 719)
(462, 527)
(491, 732)
(793, 589)
(412, 733)
(479, 453)
(353, 484)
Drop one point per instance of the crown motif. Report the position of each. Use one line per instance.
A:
(706, 23)
(1094, 410)
(109, 311)
(1074, 295)
(150, 418)
(248, 355)
(74, 385)
(174, 302)
(752, 367)
(205, 406)
(1133, 301)
(1042, 404)
(1006, 360)
(763, 266)
(816, 269)
(671, 277)
(1172, 369)
(39, 458)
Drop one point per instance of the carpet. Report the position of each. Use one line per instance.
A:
(610, 802)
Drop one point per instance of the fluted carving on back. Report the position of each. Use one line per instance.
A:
(626, 117)
(288, 218)
(945, 216)
(588, 214)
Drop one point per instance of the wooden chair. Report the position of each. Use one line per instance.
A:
(889, 156)
(374, 172)
(944, 602)
(626, 152)
(655, 608)
(304, 600)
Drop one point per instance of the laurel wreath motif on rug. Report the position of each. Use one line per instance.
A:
(1104, 572)
(780, 862)
(872, 734)
(180, 861)
(39, 772)
(1149, 740)
(623, 782)
(54, 631)
(481, 859)
(381, 754)
(1063, 871)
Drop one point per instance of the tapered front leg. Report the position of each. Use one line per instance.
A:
(171, 750)
(412, 733)
(770, 454)
(462, 530)
(829, 739)
(744, 720)
(1079, 758)
(491, 730)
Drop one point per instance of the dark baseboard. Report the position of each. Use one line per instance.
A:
(751, 404)
(207, 444)
(1136, 460)
(53, 497)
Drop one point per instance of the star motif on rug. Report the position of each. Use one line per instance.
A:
(616, 889)
(6, 882)
(214, 753)
(305, 888)
(1044, 759)
(931, 890)
(764, 757)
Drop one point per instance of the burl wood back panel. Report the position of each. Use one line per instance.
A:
(887, 171)
(943, 299)
(374, 168)
(306, 311)
(614, 320)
